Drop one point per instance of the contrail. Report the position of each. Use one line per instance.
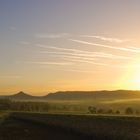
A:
(85, 53)
(94, 55)
(116, 40)
(49, 63)
(105, 46)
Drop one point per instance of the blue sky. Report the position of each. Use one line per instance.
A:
(51, 45)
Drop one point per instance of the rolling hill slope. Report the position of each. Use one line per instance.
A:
(78, 95)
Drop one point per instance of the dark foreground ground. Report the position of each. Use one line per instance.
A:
(12, 129)
(35, 126)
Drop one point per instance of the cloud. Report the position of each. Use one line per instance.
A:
(52, 36)
(116, 40)
(100, 64)
(132, 47)
(49, 63)
(72, 57)
(89, 62)
(105, 46)
(76, 52)
(71, 70)
(85, 56)
(75, 70)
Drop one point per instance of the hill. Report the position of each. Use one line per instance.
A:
(19, 96)
(78, 95)
(22, 96)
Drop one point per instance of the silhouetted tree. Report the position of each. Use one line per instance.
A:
(100, 111)
(5, 104)
(117, 112)
(137, 112)
(110, 111)
(92, 109)
(129, 111)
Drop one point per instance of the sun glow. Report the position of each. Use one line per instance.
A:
(132, 79)
(135, 82)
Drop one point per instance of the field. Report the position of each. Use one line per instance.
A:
(81, 106)
(70, 119)
(16, 129)
(51, 127)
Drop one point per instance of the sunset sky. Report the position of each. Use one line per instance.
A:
(53, 45)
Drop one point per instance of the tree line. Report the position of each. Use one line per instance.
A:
(6, 104)
(127, 111)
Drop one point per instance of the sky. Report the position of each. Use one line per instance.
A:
(69, 45)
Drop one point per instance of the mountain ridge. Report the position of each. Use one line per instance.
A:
(77, 95)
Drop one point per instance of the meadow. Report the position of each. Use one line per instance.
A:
(15, 129)
(91, 127)
(70, 119)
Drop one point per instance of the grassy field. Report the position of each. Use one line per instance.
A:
(81, 106)
(3, 116)
(87, 126)
(70, 120)
(16, 129)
